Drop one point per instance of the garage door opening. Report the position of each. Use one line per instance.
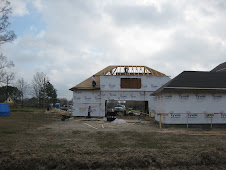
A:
(135, 108)
(126, 108)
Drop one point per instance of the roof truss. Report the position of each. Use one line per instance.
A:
(118, 70)
(129, 70)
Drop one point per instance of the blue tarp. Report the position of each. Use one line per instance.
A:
(4, 109)
(57, 105)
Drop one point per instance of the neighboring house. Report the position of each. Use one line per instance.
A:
(5, 99)
(192, 96)
(122, 83)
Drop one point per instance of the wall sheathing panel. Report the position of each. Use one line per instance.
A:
(81, 109)
(86, 97)
(83, 99)
(197, 107)
(148, 83)
(111, 89)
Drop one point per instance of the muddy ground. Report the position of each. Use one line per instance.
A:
(43, 141)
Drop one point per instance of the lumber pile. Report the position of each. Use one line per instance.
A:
(59, 111)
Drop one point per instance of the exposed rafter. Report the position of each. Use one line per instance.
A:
(118, 70)
(129, 70)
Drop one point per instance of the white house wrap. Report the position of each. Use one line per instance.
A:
(135, 83)
(193, 98)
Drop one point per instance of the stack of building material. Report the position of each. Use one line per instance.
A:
(59, 111)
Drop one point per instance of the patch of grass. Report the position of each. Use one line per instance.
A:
(177, 138)
(143, 140)
(128, 139)
(108, 140)
(8, 132)
(27, 109)
(53, 146)
(184, 147)
(20, 121)
(76, 132)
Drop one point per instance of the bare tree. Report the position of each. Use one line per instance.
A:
(9, 77)
(5, 34)
(4, 65)
(6, 76)
(23, 87)
(38, 84)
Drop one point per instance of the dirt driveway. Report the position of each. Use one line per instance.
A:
(41, 141)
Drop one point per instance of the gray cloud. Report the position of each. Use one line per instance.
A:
(190, 53)
(83, 37)
(143, 15)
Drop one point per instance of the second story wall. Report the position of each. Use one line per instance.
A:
(120, 83)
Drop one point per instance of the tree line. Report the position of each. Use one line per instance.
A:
(40, 91)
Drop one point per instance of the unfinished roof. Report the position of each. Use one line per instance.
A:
(116, 71)
(220, 68)
(195, 81)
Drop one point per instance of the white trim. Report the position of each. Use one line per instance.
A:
(194, 88)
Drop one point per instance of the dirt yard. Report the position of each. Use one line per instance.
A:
(34, 140)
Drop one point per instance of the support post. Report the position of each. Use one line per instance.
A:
(211, 120)
(68, 107)
(160, 122)
(187, 120)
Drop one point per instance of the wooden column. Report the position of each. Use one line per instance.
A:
(211, 125)
(187, 120)
(211, 120)
(68, 107)
(160, 122)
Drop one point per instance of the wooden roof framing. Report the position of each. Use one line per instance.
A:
(116, 70)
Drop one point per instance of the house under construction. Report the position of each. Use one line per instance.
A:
(193, 97)
(120, 83)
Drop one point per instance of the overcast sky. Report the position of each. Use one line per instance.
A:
(70, 40)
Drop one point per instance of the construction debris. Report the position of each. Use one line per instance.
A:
(90, 126)
(119, 121)
(59, 111)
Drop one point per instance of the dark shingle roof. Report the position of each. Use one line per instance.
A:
(196, 81)
(220, 68)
